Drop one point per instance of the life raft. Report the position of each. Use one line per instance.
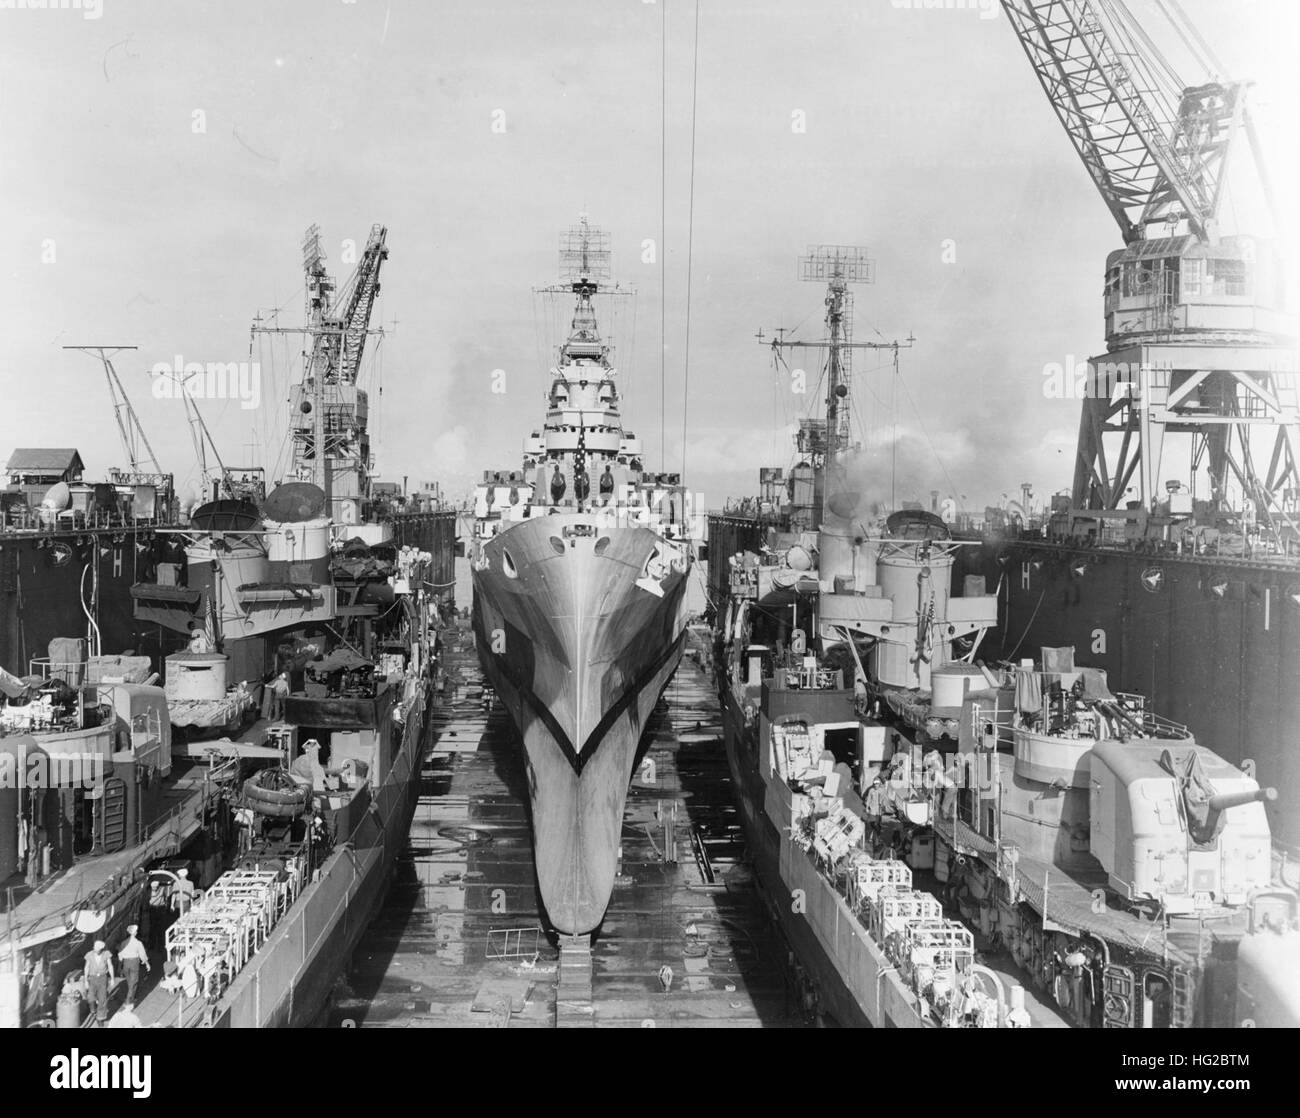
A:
(277, 793)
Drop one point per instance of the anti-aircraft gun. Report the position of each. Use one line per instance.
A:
(1181, 828)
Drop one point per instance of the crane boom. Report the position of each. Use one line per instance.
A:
(128, 423)
(1156, 151)
(360, 295)
(331, 426)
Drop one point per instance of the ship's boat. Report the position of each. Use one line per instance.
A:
(580, 568)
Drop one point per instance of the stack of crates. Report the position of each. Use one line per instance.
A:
(868, 876)
(892, 910)
(837, 835)
(874, 874)
(216, 939)
(259, 890)
(936, 948)
(220, 933)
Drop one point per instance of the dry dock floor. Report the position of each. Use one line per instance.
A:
(459, 942)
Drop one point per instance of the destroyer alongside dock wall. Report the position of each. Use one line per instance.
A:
(1210, 642)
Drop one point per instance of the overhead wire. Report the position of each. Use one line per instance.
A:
(690, 236)
(1187, 31)
(663, 228)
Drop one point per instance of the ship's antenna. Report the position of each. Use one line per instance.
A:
(837, 266)
(663, 226)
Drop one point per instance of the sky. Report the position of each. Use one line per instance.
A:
(160, 161)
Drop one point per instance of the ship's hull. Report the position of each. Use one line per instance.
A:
(856, 984)
(579, 644)
(763, 842)
(287, 983)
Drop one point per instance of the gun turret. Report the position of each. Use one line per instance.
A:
(1133, 782)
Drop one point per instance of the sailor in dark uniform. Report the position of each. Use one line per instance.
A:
(558, 485)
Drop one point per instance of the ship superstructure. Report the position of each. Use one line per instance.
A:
(310, 616)
(263, 576)
(830, 618)
(1095, 841)
(580, 562)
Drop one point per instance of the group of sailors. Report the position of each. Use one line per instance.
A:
(97, 977)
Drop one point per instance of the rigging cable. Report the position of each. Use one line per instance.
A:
(1029, 623)
(1199, 49)
(690, 235)
(663, 227)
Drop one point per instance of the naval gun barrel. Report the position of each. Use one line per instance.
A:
(1225, 800)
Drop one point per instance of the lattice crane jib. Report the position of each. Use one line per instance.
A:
(331, 410)
(356, 303)
(1156, 149)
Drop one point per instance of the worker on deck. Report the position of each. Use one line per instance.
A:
(132, 956)
(99, 974)
(125, 1018)
(874, 807)
(156, 918)
(972, 1009)
(273, 696)
(183, 893)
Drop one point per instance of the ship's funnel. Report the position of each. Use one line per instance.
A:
(226, 515)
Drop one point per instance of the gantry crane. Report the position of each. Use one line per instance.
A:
(1199, 339)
